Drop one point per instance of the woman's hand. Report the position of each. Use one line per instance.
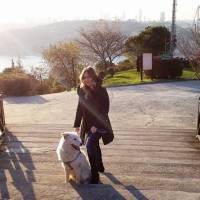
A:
(93, 129)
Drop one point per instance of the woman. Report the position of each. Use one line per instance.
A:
(92, 111)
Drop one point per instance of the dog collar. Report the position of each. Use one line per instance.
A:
(69, 162)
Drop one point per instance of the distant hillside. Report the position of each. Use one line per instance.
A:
(31, 41)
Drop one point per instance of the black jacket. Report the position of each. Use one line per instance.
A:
(93, 111)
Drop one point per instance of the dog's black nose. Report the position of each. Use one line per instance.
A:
(81, 144)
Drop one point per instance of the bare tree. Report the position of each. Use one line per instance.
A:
(189, 46)
(103, 42)
(40, 72)
(63, 60)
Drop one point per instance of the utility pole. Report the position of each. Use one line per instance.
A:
(173, 29)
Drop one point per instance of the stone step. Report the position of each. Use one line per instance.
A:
(140, 181)
(140, 164)
(158, 157)
(53, 138)
(118, 153)
(39, 169)
(135, 147)
(119, 143)
(33, 191)
(187, 170)
(69, 127)
(36, 129)
(49, 164)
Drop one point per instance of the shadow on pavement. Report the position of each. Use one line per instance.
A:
(16, 163)
(26, 100)
(106, 191)
(97, 192)
(131, 189)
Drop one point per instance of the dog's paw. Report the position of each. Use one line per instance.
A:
(71, 177)
(68, 180)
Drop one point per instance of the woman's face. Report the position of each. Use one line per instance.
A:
(87, 80)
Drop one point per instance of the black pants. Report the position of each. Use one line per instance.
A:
(94, 152)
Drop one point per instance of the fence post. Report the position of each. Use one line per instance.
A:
(2, 123)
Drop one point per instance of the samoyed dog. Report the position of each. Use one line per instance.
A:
(74, 161)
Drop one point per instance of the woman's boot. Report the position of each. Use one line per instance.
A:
(94, 177)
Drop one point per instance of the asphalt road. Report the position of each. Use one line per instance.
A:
(168, 105)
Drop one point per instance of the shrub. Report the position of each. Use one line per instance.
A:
(42, 89)
(58, 88)
(185, 63)
(166, 68)
(14, 70)
(101, 66)
(124, 65)
(111, 71)
(16, 84)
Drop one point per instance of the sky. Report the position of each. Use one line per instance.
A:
(30, 11)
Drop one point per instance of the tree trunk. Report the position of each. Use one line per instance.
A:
(73, 74)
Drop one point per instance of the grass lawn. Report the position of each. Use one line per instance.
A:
(188, 74)
(133, 77)
(124, 78)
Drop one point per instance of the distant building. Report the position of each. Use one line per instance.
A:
(140, 15)
(162, 17)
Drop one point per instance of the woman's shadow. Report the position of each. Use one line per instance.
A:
(16, 161)
(107, 191)
(130, 188)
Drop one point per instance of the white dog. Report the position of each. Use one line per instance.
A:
(74, 161)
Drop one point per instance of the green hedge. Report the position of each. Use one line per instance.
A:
(164, 69)
(167, 69)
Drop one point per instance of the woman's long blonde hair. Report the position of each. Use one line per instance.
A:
(92, 73)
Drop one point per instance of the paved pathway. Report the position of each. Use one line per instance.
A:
(154, 156)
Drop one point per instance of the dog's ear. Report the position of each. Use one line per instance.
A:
(65, 135)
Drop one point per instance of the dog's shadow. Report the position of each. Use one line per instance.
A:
(97, 192)
(107, 191)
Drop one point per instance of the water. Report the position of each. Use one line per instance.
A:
(27, 61)
(31, 61)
